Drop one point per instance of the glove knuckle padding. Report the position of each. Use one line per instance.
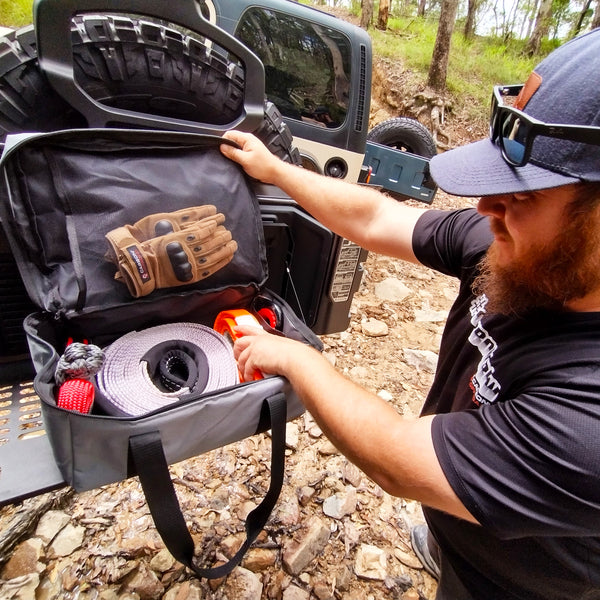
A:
(193, 252)
(162, 223)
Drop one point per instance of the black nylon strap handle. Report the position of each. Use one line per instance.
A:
(152, 468)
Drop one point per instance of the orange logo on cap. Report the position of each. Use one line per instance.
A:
(529, 89)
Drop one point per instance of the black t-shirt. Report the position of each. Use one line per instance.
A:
(516, 431)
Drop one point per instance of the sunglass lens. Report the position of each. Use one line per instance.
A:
(514, 132)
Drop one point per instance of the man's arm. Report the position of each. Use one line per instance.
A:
(395, 452)
(358, 213)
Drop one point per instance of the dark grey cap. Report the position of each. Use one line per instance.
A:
(568, 92)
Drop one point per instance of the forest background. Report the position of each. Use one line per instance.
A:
(458, 49)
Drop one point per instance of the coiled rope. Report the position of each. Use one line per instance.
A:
(79, 361)
(152, 368)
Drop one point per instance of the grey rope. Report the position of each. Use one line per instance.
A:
(79, 361)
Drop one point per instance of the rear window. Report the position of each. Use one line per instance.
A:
(307, 66)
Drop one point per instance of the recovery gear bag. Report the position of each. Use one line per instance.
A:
(65, 195)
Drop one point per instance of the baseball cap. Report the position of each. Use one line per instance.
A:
(564, 88)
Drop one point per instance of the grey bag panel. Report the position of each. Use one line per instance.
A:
(68, 190)
(91, 451)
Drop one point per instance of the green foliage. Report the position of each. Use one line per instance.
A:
(474, 68)
(15, 13)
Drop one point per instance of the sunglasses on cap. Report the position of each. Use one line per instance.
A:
(515, 131)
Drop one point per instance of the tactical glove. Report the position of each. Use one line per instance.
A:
(179, 258)
(162, 223)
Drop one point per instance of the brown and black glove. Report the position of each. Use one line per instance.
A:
(158, 224)
(191, 251)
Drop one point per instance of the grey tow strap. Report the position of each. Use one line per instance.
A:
(149, 369)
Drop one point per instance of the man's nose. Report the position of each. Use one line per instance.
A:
(492, 206)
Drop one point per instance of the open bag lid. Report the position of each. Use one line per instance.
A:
(65, 191)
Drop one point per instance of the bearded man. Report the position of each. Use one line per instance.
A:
(505, 457)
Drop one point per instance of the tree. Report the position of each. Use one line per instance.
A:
(596, 19)
(469, 30)
(578, 24)
(366, 13)
(384, 12)
(421, 8)
(441, 51)
(540, 29)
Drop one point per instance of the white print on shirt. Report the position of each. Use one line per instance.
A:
(484, 385)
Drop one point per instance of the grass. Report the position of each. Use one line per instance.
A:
(474, 67)
(15, 13)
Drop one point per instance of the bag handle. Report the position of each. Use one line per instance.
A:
(52, 21)
(151, 465)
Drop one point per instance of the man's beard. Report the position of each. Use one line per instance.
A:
(548, 277)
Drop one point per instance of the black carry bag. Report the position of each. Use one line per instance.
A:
(62, 193)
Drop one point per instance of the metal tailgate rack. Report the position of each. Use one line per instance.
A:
(27, 465)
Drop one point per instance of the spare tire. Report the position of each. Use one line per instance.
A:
(131, 64)
(404, 134)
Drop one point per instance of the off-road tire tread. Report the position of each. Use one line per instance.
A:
(132, 64)
(404, 132)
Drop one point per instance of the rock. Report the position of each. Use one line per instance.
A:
(359, 372)
(392, 289)
(50, 524)
(287, 513)
(305, 495)
(340, 505)
(292, 435)
(422, 360)
(24, 560)
(374, 328)
(259, 559)
(242, 584)
(293, 592)
(428, 315)
(408, 559)
(385, 395)
(298, 554)
(343, 577)
(67, 541)
(370, 562)
(162, 561)
(186, 591)
(323, 591)
(20, 588)
(401, 583)
(328, 449)
(351, 535)
(352, 474)
(144, 583)
(330, 357)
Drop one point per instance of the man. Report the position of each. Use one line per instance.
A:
(505, 457)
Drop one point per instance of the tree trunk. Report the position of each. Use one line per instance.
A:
(540, 29)
(441, 51)
(384, 13)
(579, 21)
(421, 8)
(366, 13)
(469, 30)
(596, 19)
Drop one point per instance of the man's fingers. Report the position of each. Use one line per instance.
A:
(239, 137)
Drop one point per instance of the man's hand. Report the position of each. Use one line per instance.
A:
(254, 157)
(270, 354)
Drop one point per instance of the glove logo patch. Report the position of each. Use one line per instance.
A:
(140, 263)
